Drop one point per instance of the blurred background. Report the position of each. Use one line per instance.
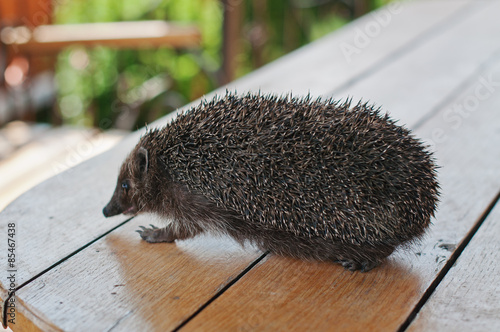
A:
(76, 76)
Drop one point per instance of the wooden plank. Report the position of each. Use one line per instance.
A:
(349, 54)
(299, 296)
(140, 34)
(154, 290)
(50, 153)
(444, 62)
(74, 224)
(61, 204)
(468, 299)
(16, 134)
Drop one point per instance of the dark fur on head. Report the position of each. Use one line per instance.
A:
(308, 179)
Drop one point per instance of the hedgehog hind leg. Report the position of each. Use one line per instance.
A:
(364, 258)
(353, 265)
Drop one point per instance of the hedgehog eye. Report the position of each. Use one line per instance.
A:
(125, 185)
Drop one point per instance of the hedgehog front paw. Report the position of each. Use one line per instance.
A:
(155, 234)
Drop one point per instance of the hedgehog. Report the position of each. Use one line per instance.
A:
(314, 179)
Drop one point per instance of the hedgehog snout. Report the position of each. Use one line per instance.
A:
(111, 210)
(106, 212)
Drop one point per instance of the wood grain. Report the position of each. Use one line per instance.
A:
(290, 295)
(468, 299)
(125, 283)
(306, 296)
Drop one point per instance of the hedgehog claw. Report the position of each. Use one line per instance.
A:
(153, 226)
(352, 265)
(349, 264)
(367, 265)
(143, 228)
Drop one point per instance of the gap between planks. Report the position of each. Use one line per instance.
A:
(420, 39)
(223, 290)
(449, 264)
(5, 307)
(464, 85)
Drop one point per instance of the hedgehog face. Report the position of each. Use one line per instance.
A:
(128, 186)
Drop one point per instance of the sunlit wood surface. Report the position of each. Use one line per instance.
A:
(34, 153)
(435, 65)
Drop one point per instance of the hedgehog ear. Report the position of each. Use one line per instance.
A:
(142, 160)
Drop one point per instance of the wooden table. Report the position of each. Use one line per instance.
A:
(435, 65)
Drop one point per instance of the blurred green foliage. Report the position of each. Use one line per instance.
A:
(127, 88)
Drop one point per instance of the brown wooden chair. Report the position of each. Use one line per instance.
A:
(29, 44)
